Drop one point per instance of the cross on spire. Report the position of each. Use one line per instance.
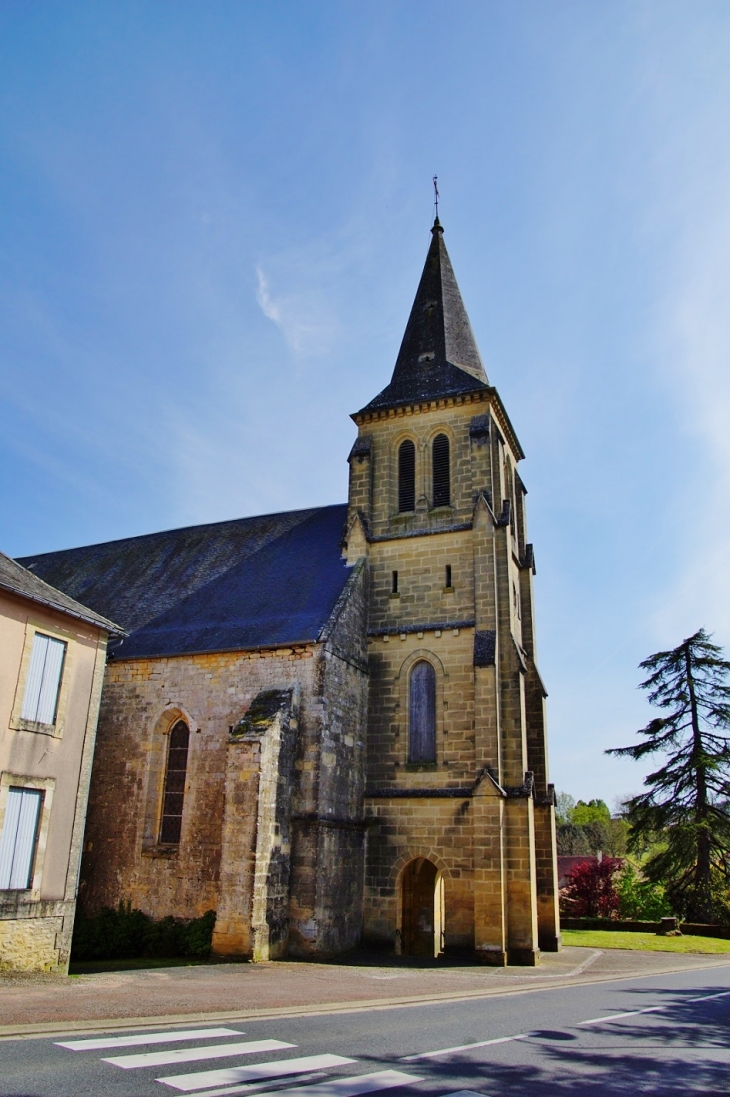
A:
(436, 197)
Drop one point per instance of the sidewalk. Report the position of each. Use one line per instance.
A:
(42, 1004)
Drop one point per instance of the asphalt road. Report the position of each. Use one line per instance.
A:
(664, 1034)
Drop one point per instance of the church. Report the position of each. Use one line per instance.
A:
(328, 725)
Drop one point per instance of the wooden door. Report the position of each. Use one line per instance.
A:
(422, 909)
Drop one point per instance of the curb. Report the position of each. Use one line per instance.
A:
(47, 1029)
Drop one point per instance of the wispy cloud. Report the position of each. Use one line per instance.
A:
(267, 305)
(307, 324)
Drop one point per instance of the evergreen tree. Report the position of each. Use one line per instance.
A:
(685, 806)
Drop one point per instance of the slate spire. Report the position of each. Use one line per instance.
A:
(439, 354)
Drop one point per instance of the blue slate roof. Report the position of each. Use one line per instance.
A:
(267, 581)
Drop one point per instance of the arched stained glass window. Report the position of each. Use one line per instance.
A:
(422, 730)
(441, 471)
(406, 476)
(175, 773)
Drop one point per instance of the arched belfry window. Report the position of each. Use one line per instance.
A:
(406, 476)
(422, 713)
(441, 471)
(177, 765)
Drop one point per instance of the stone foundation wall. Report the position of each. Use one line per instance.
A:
(38, 939)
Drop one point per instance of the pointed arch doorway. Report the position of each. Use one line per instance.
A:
(422, 899)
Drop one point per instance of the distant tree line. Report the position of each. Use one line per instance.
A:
(589, 828)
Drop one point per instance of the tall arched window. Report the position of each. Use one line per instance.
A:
(441, 471)
(407, 476)
(422, 729)
(177, 764)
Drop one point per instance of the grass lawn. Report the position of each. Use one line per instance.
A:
(607, 938)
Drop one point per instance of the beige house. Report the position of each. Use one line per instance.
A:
(52, 658)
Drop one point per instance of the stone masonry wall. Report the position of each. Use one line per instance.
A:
(327, 854)
(142, 700)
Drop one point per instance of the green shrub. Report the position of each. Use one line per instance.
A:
(640, 899)
(127, 934)
(198, 935)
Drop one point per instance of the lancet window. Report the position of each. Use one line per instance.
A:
(441, 466)
(407, 476)
(175, 774)
(422, 713)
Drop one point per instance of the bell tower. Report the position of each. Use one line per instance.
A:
(461, 831)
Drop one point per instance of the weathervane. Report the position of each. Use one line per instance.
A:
(436, 196)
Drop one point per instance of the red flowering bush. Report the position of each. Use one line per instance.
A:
(591, 890)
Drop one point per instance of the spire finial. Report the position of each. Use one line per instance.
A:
(435, 199)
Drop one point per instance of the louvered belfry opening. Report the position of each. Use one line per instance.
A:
(177, 765)
(441, 472)
(407, 476)
(422, 730)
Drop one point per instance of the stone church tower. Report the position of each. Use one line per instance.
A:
(460, 846)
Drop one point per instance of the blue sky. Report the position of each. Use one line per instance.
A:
(213, 217)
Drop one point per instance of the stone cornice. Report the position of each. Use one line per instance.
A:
(457, 527)
(420, 407)
(418, 793)
(432, 626)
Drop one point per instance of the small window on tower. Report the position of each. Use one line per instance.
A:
(441, 472)
(447, 576)
(394, 583)
(407, 476)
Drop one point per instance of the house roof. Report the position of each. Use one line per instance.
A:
(439, 355)
(18, 580)
(267, 581)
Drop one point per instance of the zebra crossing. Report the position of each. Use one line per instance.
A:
(292, 1076)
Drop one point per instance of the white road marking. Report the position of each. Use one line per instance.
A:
(99, 1044)
(465, 1093)
(465, 1047)
(231, 1075)
(617, 1016)
(195, 1054)
(354, 1087)
(652, 1009)
(261, 1088)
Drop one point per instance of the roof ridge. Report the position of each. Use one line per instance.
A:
(309, 511)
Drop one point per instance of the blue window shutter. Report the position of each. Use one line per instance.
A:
(34, 681)
(44, 679)
(17, 845)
